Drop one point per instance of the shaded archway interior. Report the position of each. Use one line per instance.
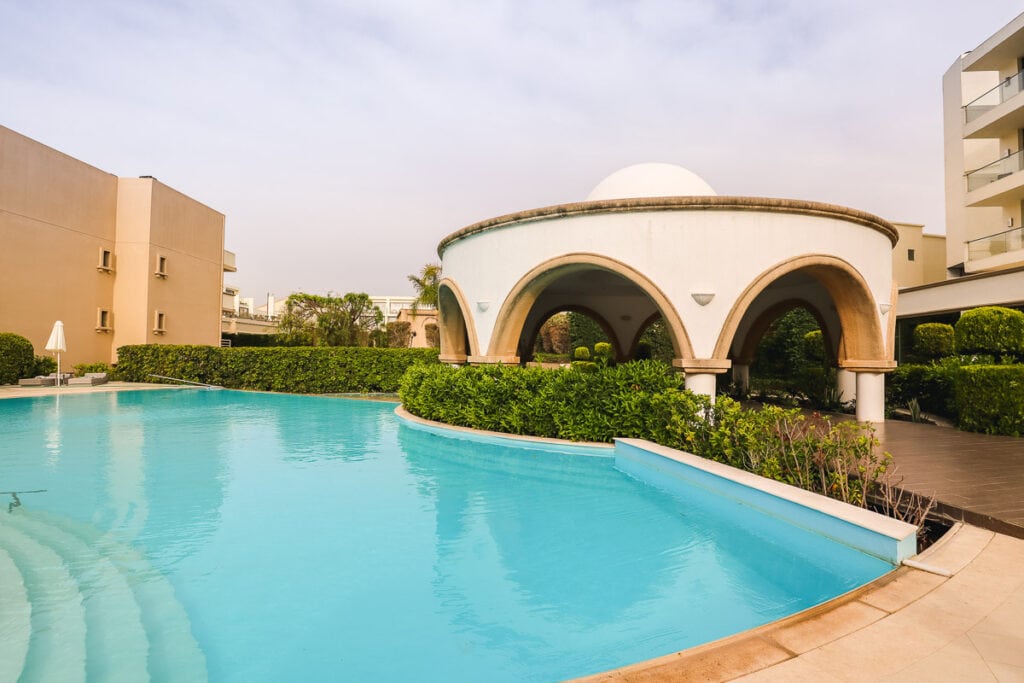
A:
(454, 333)
(791, 291)
(618, 305)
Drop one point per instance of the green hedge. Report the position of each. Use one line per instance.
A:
(931, 385)
(16, 358)
(991, 330)
(990, 399)
(303, 370)
(933, 340)
(646, 399)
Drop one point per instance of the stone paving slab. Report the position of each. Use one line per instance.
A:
(976, 478)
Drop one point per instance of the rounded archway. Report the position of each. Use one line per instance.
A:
(456, 330)
(610, 291)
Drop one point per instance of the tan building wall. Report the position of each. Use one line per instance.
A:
(418, 322)
(918, 259)
(57, 217)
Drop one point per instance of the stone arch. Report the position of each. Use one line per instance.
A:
(517, 305)
(650, 320)
(765, 319)
(589, 312)
(455, 324)
(861, 343)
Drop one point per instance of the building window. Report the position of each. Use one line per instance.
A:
(910, 254)
(159, 321)
(161, 266)
(106, 261)
(102, 320)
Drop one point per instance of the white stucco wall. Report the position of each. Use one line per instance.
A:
(681, 251)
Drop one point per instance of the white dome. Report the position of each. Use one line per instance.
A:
(651, 180)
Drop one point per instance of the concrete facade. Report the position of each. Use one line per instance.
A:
(718, 270)
(983, 111)
(119, 260)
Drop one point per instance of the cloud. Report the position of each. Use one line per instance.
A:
(344, 140)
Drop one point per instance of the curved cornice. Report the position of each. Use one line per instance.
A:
(765, 204)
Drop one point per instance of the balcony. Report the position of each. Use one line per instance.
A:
(999, 183)
(1007, 88)
(229, 262)
(996, 251)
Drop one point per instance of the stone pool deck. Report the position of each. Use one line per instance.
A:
(963, 620)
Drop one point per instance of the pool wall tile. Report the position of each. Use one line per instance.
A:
(673, 470)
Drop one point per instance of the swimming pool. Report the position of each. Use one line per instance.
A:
(251, 536)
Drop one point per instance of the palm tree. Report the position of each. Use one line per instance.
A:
(426, 284)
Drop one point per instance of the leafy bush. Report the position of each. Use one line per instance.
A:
(16, 358)
(82, 368)
(43, 365)
(581, 353)
(990, 330)
(933, 340)
(303, 370)
(646, 399)
(814, 346)
(990, 399)
(932, 386)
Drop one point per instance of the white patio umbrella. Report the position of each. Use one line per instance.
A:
(57, 344)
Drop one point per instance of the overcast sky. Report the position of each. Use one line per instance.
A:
(343, 140)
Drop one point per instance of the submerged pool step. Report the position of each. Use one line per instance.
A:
(116, 643)
(174, 653)
(15, 619)
(56, 648)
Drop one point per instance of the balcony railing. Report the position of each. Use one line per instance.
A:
(1006, 89)
(993, 245)
(992, 172)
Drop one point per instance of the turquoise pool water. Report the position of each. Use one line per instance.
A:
(259, 537)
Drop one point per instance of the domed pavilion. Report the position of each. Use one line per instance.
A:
(655, 241)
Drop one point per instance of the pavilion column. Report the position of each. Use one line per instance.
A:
(870, 379)
(846, 385)
(702, 373)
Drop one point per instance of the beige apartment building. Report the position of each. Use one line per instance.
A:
(119, 260)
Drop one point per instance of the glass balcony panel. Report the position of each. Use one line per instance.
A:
(992, 172)
(1006, 89)
(994, 245)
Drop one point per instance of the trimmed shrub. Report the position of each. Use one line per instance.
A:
(82, 368)
(16, 358)
(932, 386)
(646, 399)
(814, 346)
(990, 399)
(301, 370)
(933, 340)
(581, 353)
(990, 330)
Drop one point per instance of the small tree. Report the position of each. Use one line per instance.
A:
(433, 334)
(426, 285)
(933, 340)
(399, 334)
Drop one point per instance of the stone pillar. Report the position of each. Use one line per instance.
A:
(701, 373)
(846, 385)
(870, 396)
(741, 376)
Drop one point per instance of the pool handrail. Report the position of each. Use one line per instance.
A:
(185, 381)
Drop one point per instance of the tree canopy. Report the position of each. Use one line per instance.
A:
(314, 320)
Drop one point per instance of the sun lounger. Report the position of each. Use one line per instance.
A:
(40, 381)
(90, 379)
